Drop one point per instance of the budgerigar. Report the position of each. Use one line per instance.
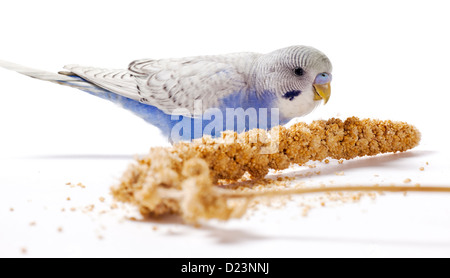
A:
(189, 97)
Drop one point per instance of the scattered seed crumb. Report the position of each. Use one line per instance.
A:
(326, 161)
(68, 199)
(33, 223)
(421, 168)
(417, 185)
(60, 229)
(339, 173)
(154, 228)
(63, 210)
(100, 237)
(427, 163)
(405, 193)
(340, 161)
(73, 209)
(102, 199)
(114, 206)
(132, 218)
(70, 184)
(88, 208)
(356, 197)
(305, 211)
(81, 185)
(322, 204)
(23, 250)
(408, 180)
(11, 209)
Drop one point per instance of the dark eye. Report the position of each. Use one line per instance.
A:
(298, 71)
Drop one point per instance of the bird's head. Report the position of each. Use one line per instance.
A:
(299, 76)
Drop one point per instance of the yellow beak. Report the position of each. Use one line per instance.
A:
(322, 91)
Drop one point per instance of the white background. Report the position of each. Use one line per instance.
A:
(390, 59)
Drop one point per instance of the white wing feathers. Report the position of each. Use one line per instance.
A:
(171, 84)
(120, 82)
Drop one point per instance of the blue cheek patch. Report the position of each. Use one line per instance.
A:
(292, 94)
(323, 78)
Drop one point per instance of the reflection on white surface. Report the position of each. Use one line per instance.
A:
(389, 225)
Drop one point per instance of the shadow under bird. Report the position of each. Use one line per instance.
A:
(190, 97)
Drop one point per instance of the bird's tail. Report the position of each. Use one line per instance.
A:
(66, 79)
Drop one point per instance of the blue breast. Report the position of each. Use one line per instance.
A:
(255, 110)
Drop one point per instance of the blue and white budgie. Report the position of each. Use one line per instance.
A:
(189, 97)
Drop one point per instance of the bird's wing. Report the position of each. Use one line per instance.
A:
(118, 81)
(172, 84)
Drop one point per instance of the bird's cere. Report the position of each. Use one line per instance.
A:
(323, 78)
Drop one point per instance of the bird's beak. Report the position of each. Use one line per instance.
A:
(322, 91)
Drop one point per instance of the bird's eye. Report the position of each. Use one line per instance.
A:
(298, 71)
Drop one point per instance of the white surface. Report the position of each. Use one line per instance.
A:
(390, 62)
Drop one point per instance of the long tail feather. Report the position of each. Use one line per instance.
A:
(149, 113)
(63, 79)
